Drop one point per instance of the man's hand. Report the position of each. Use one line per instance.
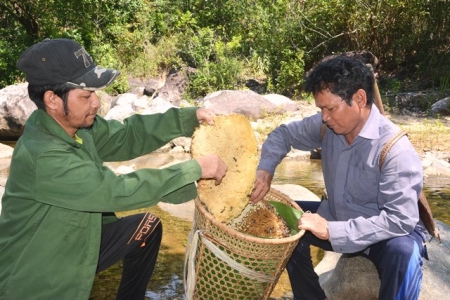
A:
(314, 223)
(261, 186)
(207, 115)
(212, 167)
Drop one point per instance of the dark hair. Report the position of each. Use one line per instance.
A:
(342, 76)
(36, 94)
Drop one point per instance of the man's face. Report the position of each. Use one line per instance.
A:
(82, 107)
(339, 116)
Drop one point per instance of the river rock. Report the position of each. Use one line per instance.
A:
(246, 102)
(15, 108)
(105, 100)
(174, 86)
(441, 108)
(296, 192)
(282, 101)
(435, 166)
(129, 104)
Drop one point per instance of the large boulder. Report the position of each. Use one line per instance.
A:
(441, 107)
(296, 192)
(434, 165)
(173, 88)
(282, 102)
(246, 102)
(353, 277)
(128, 104)
(15, 108)
(105, 102)
(170, 88)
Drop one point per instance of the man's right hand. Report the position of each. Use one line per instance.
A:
(212, 167)
(262, 185)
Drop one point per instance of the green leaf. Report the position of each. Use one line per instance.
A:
(290, 214)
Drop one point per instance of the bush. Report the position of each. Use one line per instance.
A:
(210, 77)
(277, 40)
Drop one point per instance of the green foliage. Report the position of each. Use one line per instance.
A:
(119, 86)
(290, 76)
(229, 41)
(9, 53)
(215, 62)
(197, 48)
(445, 83)
(289, 214)
(213, 76)
(155, 60)
(221, 74)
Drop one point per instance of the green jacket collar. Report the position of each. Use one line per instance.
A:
(41, 118)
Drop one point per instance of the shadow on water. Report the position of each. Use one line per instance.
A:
(167, 280)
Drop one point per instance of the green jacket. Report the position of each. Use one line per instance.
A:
(57, 190)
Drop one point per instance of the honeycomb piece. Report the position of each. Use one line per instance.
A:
(232, 138)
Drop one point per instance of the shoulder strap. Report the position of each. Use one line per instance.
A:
(322, 131)
(424, 208)
(388, 146)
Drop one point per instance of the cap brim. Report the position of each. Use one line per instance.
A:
(96, 79)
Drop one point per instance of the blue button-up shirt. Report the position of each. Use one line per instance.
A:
(365, 204)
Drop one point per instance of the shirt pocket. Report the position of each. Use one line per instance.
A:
(72, 217)
(362, 186)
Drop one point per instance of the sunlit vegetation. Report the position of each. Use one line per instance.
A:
(228, 42)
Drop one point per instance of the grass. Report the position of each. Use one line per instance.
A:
(427, 134)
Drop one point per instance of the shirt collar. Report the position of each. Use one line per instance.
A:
(40, 118)
(371, 128)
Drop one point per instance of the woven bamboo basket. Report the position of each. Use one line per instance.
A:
(222, 263)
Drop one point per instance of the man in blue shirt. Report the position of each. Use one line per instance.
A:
(370, 211)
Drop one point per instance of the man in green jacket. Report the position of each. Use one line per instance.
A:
(57, 225)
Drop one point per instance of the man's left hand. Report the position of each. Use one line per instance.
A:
(205, 114)
(314, 223)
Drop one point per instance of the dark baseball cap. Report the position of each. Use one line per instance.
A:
(58, 61)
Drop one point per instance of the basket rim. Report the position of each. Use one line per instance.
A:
(250, 238)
